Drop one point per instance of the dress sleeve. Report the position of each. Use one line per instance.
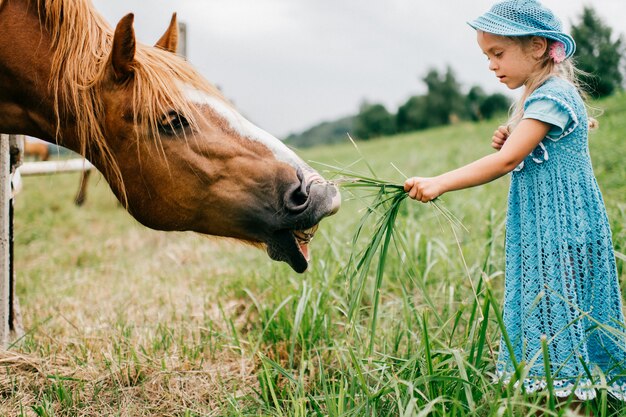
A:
(557, 113)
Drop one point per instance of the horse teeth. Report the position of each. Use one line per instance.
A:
(305, 236)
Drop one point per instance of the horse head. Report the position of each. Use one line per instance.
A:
(175, 152)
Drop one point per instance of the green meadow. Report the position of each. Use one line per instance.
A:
(121, 320)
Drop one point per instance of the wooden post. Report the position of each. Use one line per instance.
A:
(182, 39)
(5, 240)
(10, 318)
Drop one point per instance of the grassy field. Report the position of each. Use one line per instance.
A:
(122, 320)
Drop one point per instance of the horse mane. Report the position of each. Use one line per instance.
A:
(81, 43)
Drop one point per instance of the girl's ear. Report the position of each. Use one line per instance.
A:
(539, 46)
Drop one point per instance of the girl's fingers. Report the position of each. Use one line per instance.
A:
(419, 189)
(414, 193)
(500, 135)
(408, 184)
(501, 132)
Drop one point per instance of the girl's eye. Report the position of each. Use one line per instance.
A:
(172, 123)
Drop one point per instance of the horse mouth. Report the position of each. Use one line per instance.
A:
(292, 246)
(303, 238)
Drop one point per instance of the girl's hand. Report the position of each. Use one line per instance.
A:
(499, 137)
(423, 189)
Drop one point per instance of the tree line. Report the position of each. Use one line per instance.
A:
(444, 103)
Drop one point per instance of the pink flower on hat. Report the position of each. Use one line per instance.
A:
(557, 52)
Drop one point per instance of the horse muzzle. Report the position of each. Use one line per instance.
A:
(305, 206)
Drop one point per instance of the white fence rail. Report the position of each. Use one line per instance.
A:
(54, 167)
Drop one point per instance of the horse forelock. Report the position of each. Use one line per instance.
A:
(81, 43)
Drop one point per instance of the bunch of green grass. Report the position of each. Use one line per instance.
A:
(384, 199)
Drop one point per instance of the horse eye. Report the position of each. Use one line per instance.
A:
(172, 123)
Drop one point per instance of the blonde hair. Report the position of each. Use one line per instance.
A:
(547, 68)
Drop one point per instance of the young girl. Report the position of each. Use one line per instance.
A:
(561, 279)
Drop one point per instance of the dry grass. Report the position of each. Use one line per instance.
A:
(113, 326)
(110, 345)
(137, 387)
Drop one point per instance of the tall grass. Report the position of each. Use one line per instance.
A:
(122, 320)
(387, 199)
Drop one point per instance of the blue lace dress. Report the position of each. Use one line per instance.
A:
(561, 278)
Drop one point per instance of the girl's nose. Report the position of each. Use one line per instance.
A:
(492, 65)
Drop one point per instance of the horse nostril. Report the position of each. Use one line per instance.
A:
(297, 198)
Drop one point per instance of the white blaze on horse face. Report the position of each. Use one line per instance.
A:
(246, 129)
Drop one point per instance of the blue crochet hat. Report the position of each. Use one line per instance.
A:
(524, 18)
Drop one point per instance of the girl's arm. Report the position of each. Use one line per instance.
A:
(523, 140)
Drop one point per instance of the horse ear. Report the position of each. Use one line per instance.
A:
(123, 54)
(169, 40)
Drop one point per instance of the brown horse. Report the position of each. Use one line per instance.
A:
(36, 149)
(173, 150)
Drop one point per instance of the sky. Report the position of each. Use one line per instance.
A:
(290, 64)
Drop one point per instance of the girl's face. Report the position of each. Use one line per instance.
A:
(512, 63)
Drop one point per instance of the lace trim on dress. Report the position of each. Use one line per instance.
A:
(539, 156)
(540, 153)
(563, 104)
(583, 388)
